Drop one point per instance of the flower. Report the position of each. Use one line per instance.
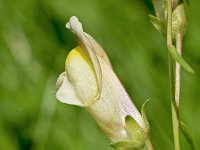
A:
(90, 82)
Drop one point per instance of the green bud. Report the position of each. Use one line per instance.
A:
(179, 23)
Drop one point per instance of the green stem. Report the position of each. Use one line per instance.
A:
(175, 114)
(175, 120)
(175, 123)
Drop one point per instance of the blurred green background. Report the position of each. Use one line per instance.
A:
(34, 44)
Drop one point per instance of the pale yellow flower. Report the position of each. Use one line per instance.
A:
(89, 81)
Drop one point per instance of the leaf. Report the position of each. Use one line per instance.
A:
(179, 58)
(188, 136)
(144, 115)
(156, 22)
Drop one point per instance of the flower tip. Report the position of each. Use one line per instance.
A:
(73, 19)
(75, 26)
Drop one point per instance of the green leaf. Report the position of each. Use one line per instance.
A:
(188, 136)
(179, 58)
(144, 116)
(157, 23)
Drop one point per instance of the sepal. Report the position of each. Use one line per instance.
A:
(137, 134)
(143, 113)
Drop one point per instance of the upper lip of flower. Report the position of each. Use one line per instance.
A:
(91, 47)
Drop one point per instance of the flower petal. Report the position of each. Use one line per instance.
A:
(80, 71)
(75, 26)
(92, 48)
(98, 49)
(66, 93)
(113, 106)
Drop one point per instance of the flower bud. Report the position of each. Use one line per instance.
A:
(179, 22)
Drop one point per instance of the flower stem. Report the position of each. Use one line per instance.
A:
(174, 91)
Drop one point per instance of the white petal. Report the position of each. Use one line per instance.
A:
(75, 26)
(82, 75)
(60, 80)
(66, 93)
(98, 49)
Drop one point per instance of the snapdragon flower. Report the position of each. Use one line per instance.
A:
(90, 82)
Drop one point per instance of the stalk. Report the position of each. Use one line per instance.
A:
(173, 91)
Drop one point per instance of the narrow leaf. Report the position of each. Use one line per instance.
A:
(188, 136)
(156, 22)
(179, 58)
